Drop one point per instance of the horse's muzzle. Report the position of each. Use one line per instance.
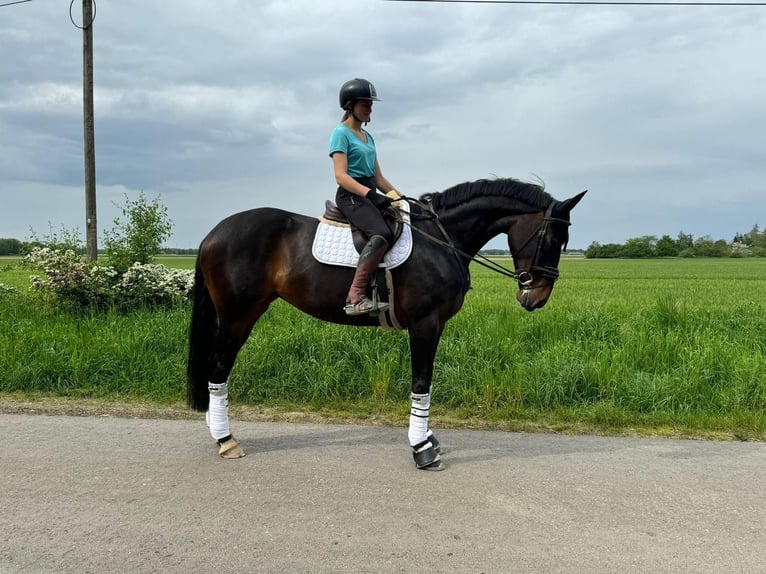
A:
(534, 297)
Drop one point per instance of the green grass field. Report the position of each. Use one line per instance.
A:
(672, 347)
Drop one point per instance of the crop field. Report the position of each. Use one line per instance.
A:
(667, 346)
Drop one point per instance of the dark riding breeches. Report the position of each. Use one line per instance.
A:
(363, 214)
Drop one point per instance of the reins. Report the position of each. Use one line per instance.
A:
(524, 277)
(432, 215)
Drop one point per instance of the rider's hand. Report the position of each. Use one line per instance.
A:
(378, 199)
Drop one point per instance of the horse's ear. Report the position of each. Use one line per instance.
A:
(569, 204)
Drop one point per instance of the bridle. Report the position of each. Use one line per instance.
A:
(525, 277)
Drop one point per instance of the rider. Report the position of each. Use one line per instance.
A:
(358, 175)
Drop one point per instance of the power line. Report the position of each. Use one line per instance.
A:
(586, 2)
(12, 3)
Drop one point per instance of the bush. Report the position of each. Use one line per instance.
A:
(83, 284)
(138, 238)
(740, 250)
(150, 285)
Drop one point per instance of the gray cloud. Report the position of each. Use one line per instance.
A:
(227, 106)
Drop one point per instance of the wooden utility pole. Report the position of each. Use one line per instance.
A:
(91, 236)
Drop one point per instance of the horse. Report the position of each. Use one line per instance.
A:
(252, 258)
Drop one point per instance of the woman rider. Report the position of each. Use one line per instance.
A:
(358, 175)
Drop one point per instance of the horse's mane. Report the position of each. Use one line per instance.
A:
(530, 193)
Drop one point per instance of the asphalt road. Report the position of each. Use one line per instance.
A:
(105, 495)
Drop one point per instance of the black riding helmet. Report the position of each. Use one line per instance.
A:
(356, 89)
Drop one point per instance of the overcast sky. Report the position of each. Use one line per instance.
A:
(218, 107)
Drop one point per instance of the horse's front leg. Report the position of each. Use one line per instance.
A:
(424, 339)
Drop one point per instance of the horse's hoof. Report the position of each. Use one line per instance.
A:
(436, 465)
(230, 449)
(426, 457)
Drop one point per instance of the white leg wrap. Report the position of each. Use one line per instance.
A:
(218, 413)
(421, 404)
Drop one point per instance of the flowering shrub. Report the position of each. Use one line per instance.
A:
(153, 285)
(740, 250)
(71, 279)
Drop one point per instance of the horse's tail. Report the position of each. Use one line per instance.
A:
(202, 333)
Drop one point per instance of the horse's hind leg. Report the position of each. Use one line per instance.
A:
(229, 340)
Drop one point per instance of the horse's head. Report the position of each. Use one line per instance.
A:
(536, 241)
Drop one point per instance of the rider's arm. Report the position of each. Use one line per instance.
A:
(380, 180)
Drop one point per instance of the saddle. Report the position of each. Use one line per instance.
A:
(337, 242)
(332, 213)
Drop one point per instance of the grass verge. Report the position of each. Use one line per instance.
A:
(624, 348)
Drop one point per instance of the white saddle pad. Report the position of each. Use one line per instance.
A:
(333, 243)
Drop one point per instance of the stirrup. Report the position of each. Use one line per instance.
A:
(363, 307)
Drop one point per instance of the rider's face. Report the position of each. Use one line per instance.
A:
(363, 109)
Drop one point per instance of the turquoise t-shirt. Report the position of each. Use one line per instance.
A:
(360, 156)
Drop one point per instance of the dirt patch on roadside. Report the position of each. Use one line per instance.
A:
(67, 406)
(60, 406)
(93, 408)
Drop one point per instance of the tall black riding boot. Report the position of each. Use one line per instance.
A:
(357, 302)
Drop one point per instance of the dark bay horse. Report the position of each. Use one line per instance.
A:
(254, 257)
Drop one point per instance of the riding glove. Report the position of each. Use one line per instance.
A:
(379, 200)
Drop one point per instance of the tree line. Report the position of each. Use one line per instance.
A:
(750, 244)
